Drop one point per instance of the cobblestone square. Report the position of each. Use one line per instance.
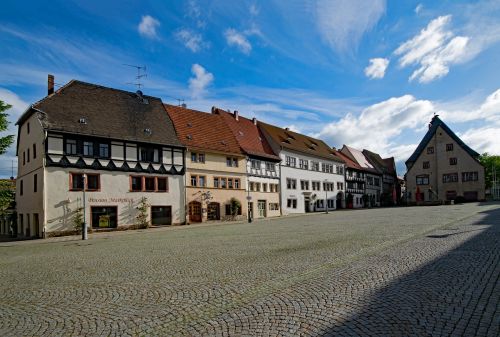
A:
(417, 271)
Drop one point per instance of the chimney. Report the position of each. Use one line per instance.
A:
(184, 105)
(213, 109)
(287, 129)
(236, 115)
(254, 120)
(50, 84)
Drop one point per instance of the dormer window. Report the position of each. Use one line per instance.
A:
(147, 132)
(82, 120)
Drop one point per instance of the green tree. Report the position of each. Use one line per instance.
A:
(490, 162)
(6, 141)
(7, 195)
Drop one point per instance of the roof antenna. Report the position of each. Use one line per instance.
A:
(179, 100)
(141, 72)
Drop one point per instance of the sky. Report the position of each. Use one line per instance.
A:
(366, 73)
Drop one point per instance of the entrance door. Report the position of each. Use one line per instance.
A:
(250, 210)
(307, 204)
(36, 224)
(261, 207)
(161, 215)
(213, 211)
(195, 211)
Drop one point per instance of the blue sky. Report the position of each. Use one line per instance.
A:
(367, 73)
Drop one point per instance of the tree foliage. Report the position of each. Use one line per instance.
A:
(5, 141)
(7, 195)
(490, 163)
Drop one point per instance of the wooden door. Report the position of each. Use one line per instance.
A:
(195, 211)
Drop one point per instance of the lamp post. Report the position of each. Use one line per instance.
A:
(326, 195)
(84, 225)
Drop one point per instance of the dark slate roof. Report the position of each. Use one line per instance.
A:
(108, 112)
(386, 165)
(435, 123)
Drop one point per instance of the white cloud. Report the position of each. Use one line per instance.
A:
(419, 8)
(201, 80)
(191, 40)
(483, 139)
(377, 68)
(377, 125)
(433, 50)
(238, 40)
(342, 23)
(194, 12)
(147, 27)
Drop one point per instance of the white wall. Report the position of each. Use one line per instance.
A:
(61, 203)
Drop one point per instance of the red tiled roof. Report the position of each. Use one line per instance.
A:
(201, 130)
(348, 161)
(248, 135)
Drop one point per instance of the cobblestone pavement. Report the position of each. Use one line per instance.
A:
(418, 271)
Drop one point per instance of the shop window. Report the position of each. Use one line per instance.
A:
(104, 217)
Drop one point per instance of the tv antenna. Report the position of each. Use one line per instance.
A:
(141, 72)
(179, 100)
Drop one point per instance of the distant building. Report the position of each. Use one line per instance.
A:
(312, 175)
(263, 188)
(391, 189)
(104, 149)
(216, 165)
(444, 168)
(355, 181)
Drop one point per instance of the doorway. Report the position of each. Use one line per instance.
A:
(307, 204)
(195, 211)
(261, 208)
(161, 215)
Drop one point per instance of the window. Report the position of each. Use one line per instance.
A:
(377, 181)
(197, 157)
(194, 181)
(423, 179)
(230, 183)
(77, 181)
(34, 151)
(328, 186)
(304, 185)
(255, 164)
(291, 203)
(162, 184)
(369, 180)
(236, 183)
(21, 189)
(135, 183)
(216, 182)
(93, 183)
(28, 154)
(340, 169)
(453, 161)
(430, 150)
(315, 166)
(88, 148)
(291, 184)
(149, 184)
(223, 183)
(340, 186)
(264, 187)
(316, 186)
(104, 217)
(148, 154)
(24, 158)
(104, 150)
(291, 161)
(304, 164)
(327, 168)
(274, 206)
(426, 165)
(252, 186)
(271, 167)
(257, 187)
(202, 181)
(231, 162)
(449, 147)
(71, 148)
(35, 182)
(28, 128)
(469, 176)
(450, 178)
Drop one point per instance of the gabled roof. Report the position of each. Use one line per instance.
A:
(203, 131)
(358, 157)
(436, 122)
(248, 135)
(105, 112)
(348, 161)
(298, 142)
(386, 165)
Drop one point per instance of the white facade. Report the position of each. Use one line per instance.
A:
(308, 188)
(263, 188)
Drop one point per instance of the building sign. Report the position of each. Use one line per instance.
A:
(107, 200)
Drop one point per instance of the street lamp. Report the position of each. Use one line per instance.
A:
(326, 195)
(84, 225)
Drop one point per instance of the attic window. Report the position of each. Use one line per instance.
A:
(223, 142)
(189, 125)
(289, 136)
(82, 120)
(189, 137)
(147, 131)
(240, 133)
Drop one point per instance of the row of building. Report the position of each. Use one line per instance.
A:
(106, 152)
(100, 153)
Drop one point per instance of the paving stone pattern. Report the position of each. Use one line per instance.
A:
(418, 271)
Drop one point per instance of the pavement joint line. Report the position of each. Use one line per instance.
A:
(269, 288)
